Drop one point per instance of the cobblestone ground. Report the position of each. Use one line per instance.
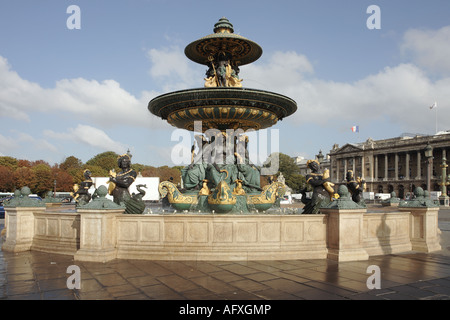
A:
(410, 276)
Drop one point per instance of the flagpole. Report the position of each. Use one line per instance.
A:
(436, 120)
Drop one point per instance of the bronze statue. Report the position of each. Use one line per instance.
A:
(356, 187)
(323, 191)
(120, 182)
(83, 192)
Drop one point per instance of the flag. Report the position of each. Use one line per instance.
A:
(434, 105)
(355, 129)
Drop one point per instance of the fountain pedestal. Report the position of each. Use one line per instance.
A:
(345, 234)
(97, 235)
(424, 231)
(19, 226)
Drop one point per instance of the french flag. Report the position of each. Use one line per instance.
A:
(355, 129)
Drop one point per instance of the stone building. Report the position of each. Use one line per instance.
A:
(304, 170)
(396, 164)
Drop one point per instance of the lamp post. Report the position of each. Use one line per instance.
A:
(443, 199)
(429, 155)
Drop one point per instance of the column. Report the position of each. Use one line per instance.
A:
(345, 168)
(376, 168)
(338, 168)
(354, 166)
(396, 166)
(385, 167)
(407, 166)
(418, 174)
(362, 168)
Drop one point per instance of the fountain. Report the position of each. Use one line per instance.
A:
(217, 215)
(221, 176)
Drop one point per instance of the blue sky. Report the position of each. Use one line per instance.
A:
(81, 92)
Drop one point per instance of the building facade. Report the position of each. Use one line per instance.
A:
(397, 164)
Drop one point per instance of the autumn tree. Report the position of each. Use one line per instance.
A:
(6, 179)
(64, 181)
(24, 176)
(164, 173)
(43, 179)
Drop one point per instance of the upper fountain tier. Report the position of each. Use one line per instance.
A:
(222, 103)
(223, 43)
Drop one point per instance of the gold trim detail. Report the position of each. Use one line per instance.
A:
(174, 195)
(222, 195)
(269, 194)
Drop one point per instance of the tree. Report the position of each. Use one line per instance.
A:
(71, 163)
(24, 177)
(164, 173)
(286, 165)
(43, 179)
(6, 179)
(106, 160)
(9, 162)
(64, 181)
(96, 171)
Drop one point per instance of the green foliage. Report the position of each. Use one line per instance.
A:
(289, 169)
(9, 162)
(43, 181)
(106, 160)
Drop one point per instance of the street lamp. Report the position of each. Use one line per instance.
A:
(429, 155)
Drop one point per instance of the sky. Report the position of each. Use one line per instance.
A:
(69, 91)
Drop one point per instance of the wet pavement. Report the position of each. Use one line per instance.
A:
(411, 276)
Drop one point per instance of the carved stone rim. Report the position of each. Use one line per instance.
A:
(201, 98)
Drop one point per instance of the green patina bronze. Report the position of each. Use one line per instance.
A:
(221, 178)
(100, 202)
(421, 199)
(344, 202)
(22, 199)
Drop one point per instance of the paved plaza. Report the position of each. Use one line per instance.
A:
(409, 276)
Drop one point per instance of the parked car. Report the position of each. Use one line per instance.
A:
(2, 211)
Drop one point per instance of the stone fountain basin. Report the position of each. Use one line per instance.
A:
(222, 108)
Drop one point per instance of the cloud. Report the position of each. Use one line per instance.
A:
(88, 135)
(429, 48)
(104, 103)
(171, 67)
(281, 73)
(7, 144)
(400, 94)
